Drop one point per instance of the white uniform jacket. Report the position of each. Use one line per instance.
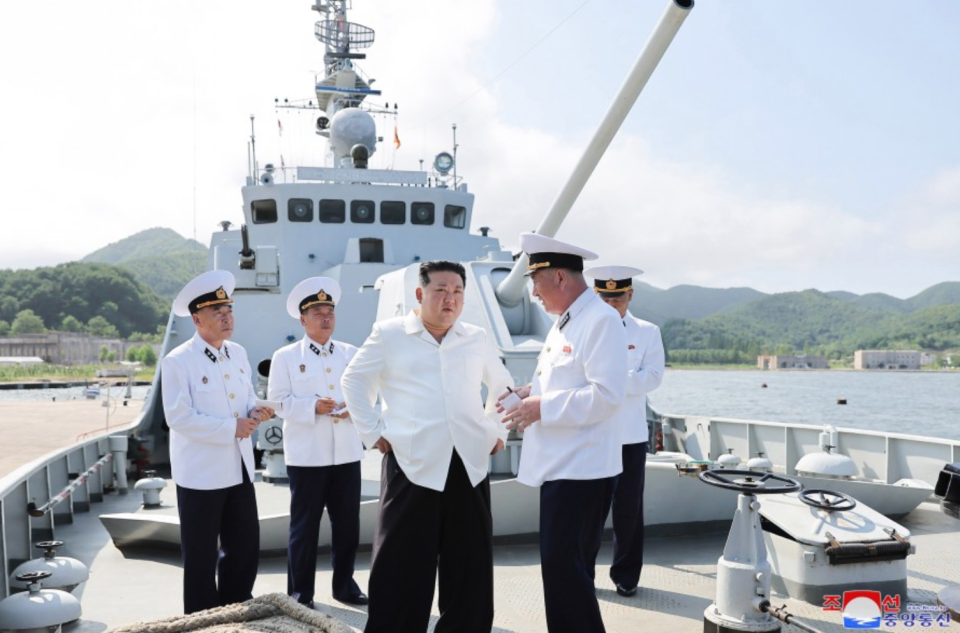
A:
(645, 361)
(431, 397)
(204, 392)
(581, 384)
(301, 373)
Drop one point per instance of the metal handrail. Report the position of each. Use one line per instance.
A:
(38, 511)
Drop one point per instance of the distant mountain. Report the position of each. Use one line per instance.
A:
(687, 302)
(946, 293)
(830, 324)
(160, 258)
(149, 243)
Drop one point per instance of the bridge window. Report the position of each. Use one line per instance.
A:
(362, 212)
(393, 212)
(421, 213)
(263, 211)
(371, 250)
(300, 210)
(333, 211)
(455, 217)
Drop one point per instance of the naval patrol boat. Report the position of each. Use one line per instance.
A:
(369, 229)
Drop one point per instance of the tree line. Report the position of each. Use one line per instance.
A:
(99, 299)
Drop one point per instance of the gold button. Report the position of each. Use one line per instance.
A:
(324, 354)
(331, 387)
(538, 372)
(548, 348)
(226, 376)
(236, 415)
(231, 396)
(336, 420)
(221, 359)
(329, 369)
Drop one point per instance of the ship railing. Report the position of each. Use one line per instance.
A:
(40, 496)
(880, 456)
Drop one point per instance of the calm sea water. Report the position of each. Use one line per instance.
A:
(922, 403)
(918, 403)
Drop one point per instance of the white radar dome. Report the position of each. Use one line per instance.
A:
(350, 127)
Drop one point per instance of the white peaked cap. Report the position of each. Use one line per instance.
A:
(320, 291)
(207, 283)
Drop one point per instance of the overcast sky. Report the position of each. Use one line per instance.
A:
(779, 145)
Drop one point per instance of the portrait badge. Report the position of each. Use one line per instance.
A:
(303, 368)
(205, 381)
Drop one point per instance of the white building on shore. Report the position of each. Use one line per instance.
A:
(886, 359)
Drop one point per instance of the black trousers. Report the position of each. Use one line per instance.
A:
(418, 527)
(313, 488)
(628, 517)
(215, 576)
(572, 514)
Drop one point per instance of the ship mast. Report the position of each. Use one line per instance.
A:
(343, 85)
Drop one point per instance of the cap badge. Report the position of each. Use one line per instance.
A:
(611, 284)
(221, 293)
(322, 296)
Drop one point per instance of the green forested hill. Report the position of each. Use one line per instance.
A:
(816, 323)
(84, 291)
(160, 258)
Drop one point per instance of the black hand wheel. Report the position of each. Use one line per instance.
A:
(750, 481)
(827, 499)
(33, 576)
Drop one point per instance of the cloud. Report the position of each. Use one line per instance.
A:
(930, 220)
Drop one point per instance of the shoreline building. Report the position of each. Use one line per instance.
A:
(792, 361)
(886, 359)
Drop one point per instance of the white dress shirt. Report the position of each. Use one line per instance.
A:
(645, 361)
(300, 374)
(430, 397)
(204, 391)
(581, 383)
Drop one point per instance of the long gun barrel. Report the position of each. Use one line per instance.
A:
(511, 289)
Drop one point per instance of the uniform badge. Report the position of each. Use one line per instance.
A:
(611, 284)
(314, 349)
(303, 368)
(567, 349)
(204, 380)
(631, 347)
(322, 296)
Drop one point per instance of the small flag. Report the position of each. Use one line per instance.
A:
(280, 127)
(396, 137)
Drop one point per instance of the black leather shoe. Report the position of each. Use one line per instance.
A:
(308, 604)
(623, 591)
(360, 599)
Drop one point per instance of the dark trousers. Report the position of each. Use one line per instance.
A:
(215, 576)
(628, 517)
(416, 527)
(313, 488)
(572, 513)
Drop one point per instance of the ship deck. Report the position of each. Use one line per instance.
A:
(678, 582)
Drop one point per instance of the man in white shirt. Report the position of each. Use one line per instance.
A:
(210, 407)
(320, 446)
(571, 446)
(428, 369)
(645, 366)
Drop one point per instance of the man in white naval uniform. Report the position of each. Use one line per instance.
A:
(320, 446)
(571, 446)
(428, 369)
(209, 405)
(645, 365)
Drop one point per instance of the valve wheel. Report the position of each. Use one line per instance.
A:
(274, 435)
(33, 576)
(49, 544)
(827, 499)
(748, 481)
